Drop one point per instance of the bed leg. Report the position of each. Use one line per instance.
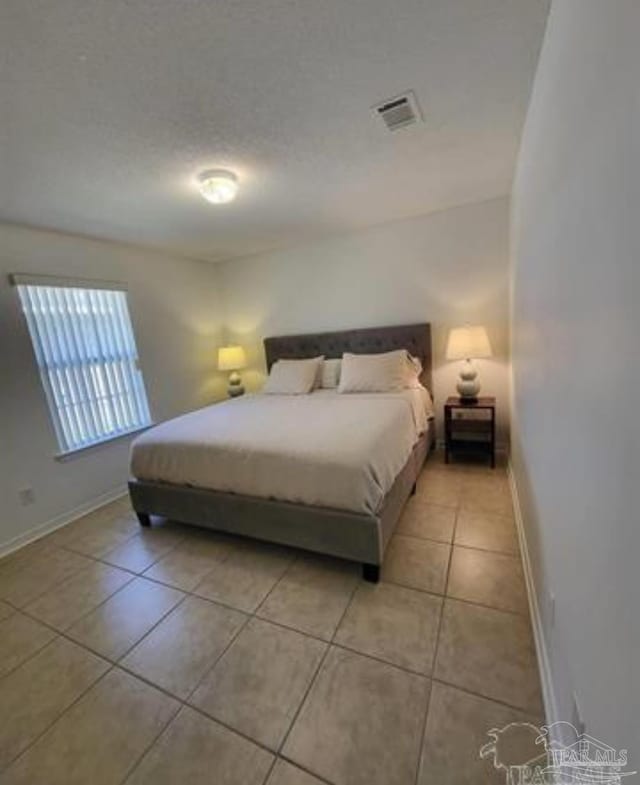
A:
(144, 518)
(414, 488)
(371, 572)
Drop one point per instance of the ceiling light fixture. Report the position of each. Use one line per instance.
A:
(218, 186)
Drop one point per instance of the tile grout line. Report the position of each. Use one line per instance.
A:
(232, 640)
(184, 705)
(254, 612)
(381, 660)
(59, 717)
(453, 544)
(216, 561)
(167, 613)
(77, 574)
(435, 651)
(65, 633)
(476, 604)
(312, 681)
(276, 756)
(32, 615)
(57, 583)
(480, 695)
(272, 766)
(183, 702)
(186, 702)
(151, 744)
(423, 730)
(510, 554)
(321, 778)
(28, 658)
(446, 584)
(66, 548)
(149, 747)
(103, 560)
(70, 549)
(314, 678)
(520, 614)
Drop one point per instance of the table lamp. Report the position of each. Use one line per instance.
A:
(468, 343)
(232, 358)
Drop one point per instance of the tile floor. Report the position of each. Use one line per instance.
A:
(175, 655)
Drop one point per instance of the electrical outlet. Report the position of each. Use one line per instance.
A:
(576, 716)
(26, 496)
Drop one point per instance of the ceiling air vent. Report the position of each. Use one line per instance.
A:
(400, 111)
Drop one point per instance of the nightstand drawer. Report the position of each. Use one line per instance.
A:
(481, 427)
(470, 427)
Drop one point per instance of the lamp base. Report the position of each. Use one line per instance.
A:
(468, 385)
(235, 387)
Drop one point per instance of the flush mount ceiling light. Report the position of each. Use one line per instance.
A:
(218, 186)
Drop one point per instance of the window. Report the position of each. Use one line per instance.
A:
(86, 353)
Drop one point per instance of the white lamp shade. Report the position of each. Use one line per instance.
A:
(231, 358)
(468, 343)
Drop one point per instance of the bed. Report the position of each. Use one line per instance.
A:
(326, 472)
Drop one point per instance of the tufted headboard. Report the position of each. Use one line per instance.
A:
(415, 338)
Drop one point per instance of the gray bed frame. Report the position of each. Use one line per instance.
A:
(349, 535)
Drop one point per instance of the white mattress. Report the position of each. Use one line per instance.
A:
(324, 449)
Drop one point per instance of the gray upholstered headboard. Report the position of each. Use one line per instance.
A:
(415, 338)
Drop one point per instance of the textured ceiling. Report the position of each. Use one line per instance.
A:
(110, 107)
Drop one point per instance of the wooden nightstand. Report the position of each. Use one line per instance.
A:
(470, 427)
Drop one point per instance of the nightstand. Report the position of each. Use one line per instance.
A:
(470, 427)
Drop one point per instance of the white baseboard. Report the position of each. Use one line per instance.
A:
(544, 666)
(60, 520)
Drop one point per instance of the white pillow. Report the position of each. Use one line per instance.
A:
(373, 372)
(292, 377)
(414, 369)
(330, 374)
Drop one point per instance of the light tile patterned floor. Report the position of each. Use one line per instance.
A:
(175, 655)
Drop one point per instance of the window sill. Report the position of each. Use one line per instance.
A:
(77, 451)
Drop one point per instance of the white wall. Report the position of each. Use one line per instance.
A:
(176, 317)
(447, 268)
(576, 377)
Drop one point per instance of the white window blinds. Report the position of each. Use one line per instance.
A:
(86, 353)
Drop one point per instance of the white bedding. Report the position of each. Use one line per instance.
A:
(323, 449)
